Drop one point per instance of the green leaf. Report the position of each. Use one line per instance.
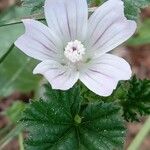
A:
(142, 36)
(136, 100)
(10, 23)
(16, 74)
(14, 112)
(141, 3)
(8, 36)
(132, 8)
(34, 4)
(88, 95)
(133, 96)
(27, 9)
(63, 122)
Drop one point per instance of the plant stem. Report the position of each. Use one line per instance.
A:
(13, 133)
(18, 22)
(140, 136)
(21, 141)
(5, 130)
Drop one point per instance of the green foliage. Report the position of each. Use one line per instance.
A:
(8, 36)
(36, 6)
(132, 8)
(10, 27)
(26, 9)
(133, 96)
(136, 101)
(14, 112)
(142, 36)
(75, 119)
(16, 70)
(88, 95)
(16, 74)
(63, 122)
(93, 3)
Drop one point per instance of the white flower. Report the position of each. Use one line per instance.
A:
(73, 47)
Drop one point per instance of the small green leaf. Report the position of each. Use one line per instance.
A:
(63, 122)
(137, 100)
(132, 8)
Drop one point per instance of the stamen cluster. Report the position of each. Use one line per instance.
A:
(74, 51)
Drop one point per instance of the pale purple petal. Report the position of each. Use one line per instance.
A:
(59, 76)
(68, 18)
(103, 74)
(108, 27)
(39, 41)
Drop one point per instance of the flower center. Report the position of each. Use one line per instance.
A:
(74, 51)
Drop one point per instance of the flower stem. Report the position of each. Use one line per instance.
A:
(140, 136)
(21, 141)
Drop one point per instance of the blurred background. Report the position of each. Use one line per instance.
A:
(18, 85)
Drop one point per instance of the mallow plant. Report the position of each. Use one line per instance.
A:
(90, 93)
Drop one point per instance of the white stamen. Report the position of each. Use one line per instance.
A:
(74, 51)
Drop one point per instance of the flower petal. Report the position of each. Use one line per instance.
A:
(103, 74)
(67, 18)
(39, 41)
(108, 27)
(60, 77)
